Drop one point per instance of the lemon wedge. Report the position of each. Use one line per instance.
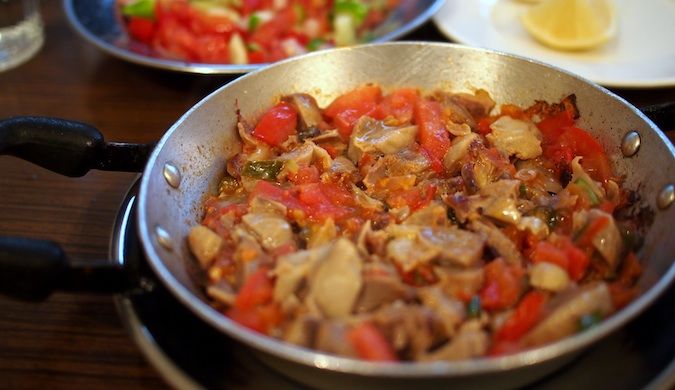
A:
(571, 24)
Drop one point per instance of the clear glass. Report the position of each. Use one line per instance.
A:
(21, 32)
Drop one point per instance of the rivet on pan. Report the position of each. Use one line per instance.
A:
(163, 238)
(171, 175)
(630, 143)
(666, 196)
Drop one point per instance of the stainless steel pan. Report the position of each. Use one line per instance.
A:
(187, 162)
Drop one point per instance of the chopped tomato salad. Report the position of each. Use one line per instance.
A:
(399, 225)
(249, 31)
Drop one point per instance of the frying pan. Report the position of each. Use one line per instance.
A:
(190, 158)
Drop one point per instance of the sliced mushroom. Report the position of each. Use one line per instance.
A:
(371, 135)
(455, 246)
(308, 111)
(293, 268)
(379, 290)
(479, 104)
(498, 241)
(468, 343)
(567, 309)
(204, 244)
(336, 281)
(272, 231)
(434, 214)
(457, 151)
(501, 199)
(515, 137)
(450, 311)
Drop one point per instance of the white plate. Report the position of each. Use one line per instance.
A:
(641, 55)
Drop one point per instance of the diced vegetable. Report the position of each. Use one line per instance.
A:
(266, 170)
(503, 285)
(140, 8)
(432, 134)
(370, 343)
(474, 307)
(528, 312)
(277, 124)
(389, 242)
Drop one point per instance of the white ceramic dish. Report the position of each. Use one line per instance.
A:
(641, 55)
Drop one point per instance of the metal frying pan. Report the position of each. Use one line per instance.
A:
(188, 161)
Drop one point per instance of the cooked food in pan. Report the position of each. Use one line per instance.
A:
(249, 31)
(401, 225)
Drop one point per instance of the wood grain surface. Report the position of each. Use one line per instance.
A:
(76, 341)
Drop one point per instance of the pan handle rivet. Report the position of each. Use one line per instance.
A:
(171, 175)
(163, 238)
(666, 196)
(630, 143)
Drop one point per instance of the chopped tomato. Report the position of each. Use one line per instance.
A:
(305, 175)
(563, 141)
(432, 134)
(398, 105)
(623, 290)
(348, 108)
(256, 290)
(585, 236)
(277, 124)
(212, 23)
(321, 202)
(142, 29)
(564, 254)
(271, 191)
(528, 312)
(503, 285)
(253, 306)
(176, 38)
(484, 124)
(212, 48)
(370, 343)
(268, 34)
(552, 127)
(415, 198)
(436, 164)
(422, 275)
(577, 260)
(545, 251)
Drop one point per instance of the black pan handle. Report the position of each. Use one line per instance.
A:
(68, 147)
(33, 269)
(662, 114)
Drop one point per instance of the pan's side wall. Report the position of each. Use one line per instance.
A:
(201, 141)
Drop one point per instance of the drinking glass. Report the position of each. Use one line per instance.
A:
(21, 32)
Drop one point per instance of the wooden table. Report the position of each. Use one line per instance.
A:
(77, 341)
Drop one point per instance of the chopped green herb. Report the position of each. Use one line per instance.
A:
(299, 12)
(354, 8)
(314, 44)
(253, 22)
(474, 307)
(252, 46)
(588, 321)
(265, 170)
(589, 191)
(140, 8)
